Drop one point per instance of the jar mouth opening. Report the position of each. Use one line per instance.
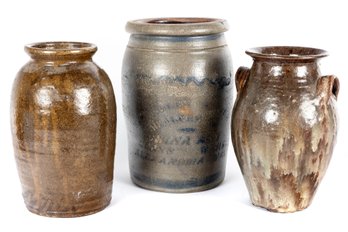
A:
(287, 53)
(180, 20)
(177, 26)
(60, 48)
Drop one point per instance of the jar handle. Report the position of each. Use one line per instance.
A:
(328, 86)
(241, 77)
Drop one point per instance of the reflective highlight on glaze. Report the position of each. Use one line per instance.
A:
(284, 126)
(63, 116)
(82, 100)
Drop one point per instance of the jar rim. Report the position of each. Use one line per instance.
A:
(57, 49)
(293, 53)
(177, 26)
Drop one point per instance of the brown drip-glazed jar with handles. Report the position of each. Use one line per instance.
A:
(284, 125)
(177, 100)
(63, 116)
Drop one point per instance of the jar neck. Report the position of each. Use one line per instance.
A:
(61, 51)
(272, 69)
(294, 77)
(158, 42)
(297, 64)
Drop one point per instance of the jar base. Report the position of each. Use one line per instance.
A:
(280, 209)
(57, 214)
(176, 187)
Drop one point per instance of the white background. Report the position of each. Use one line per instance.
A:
(319, 24)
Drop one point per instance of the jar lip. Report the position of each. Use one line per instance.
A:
(60, 48)
(177, 26)
(287, 53)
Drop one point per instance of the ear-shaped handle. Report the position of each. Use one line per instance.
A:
(328, 86)
(241, 77)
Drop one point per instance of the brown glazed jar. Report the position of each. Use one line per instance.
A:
(63, 115)
(284, 125)
(177, 100)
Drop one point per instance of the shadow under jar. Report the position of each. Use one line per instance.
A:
(284, 125)
(63, 115)
(177, 101)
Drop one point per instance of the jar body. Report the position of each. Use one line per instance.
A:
(177, 95)
(284, 129)
(63, 126)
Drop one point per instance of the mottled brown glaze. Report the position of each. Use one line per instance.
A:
(63, 116)
(284, 126)
(177, 99)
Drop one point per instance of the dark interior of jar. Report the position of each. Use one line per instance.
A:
(61, 45)
(288, 51)
(180, 20)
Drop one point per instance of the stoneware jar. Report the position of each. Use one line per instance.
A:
(63, 115)
(284, 125)
(177, 95)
